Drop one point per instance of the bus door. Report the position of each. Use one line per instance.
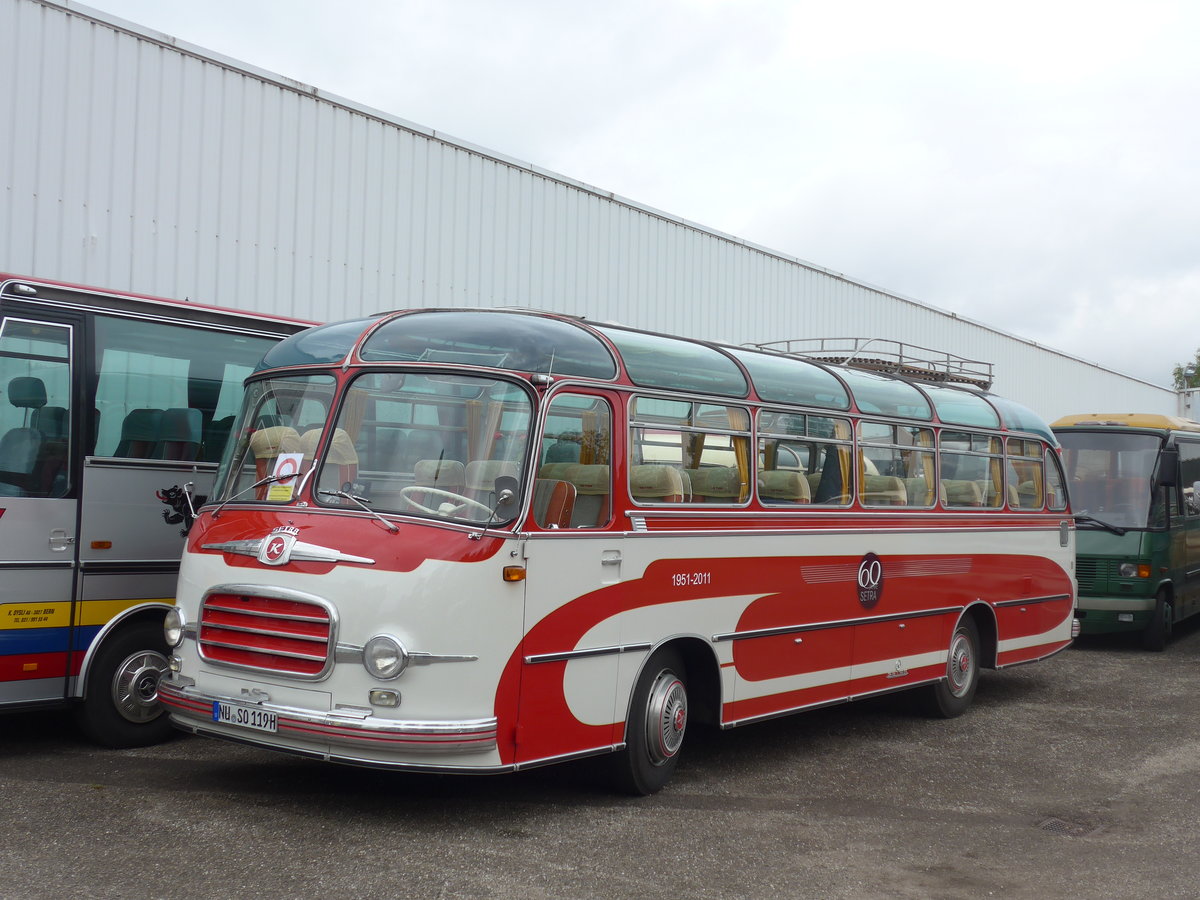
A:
(572, 594)
(37, 504)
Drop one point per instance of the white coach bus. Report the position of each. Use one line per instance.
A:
(478, 541)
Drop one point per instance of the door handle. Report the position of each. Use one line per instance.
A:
(60, 541)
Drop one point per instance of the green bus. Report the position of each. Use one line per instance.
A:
(1135, 488)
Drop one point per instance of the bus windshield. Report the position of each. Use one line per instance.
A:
(433, 445)
(1111, 476)
(277, 413)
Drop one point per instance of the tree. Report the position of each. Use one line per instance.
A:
(1187, 375)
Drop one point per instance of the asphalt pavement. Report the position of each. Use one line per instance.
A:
(1075, 777)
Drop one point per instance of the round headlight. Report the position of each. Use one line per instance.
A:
(384, 657)
(1127, 570)
(173, 627)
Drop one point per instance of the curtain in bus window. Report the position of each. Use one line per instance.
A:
(738, 419)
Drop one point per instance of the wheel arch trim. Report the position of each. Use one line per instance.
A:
(140, 612)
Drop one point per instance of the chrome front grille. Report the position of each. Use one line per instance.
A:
(249, 628)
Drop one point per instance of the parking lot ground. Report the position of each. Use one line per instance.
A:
(1075, 777)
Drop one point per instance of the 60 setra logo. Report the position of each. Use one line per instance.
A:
(870, 580)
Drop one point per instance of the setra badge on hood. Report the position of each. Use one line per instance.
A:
(281, 547)
(276, 548)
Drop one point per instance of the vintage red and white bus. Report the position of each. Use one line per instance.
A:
(481, 540)
(106, 399)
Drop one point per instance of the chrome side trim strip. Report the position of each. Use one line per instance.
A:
(298, 551)
(583, 654)
(352, 653)
(736, 723)
(842, 623)
(1049, 599)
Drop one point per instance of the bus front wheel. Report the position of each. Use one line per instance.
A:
(1158, 632)
(952, 695)
(120, 707)
(657, 722)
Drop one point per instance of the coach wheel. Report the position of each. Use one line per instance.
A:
(1158, 632)
(952, 695)
(407, 492)
(121, 708)
(657, 723)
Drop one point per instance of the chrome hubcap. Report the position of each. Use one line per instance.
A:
(961, 669)
(666, 717)
(135, 686)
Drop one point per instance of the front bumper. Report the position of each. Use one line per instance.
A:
(1106, 615)
(346, 735)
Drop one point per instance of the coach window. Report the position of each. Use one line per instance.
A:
(689, 452)
(35, 408)
(1189, 476)
(882, 395)
(1025, 474)
(167, 391)
(970, 469)
(895, 465)
(803, 459)
(574, 477)
(1056, 494)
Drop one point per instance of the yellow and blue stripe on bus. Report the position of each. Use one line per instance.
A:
(35, 637)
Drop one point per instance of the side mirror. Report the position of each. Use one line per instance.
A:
(1168, 468)
(506, 491)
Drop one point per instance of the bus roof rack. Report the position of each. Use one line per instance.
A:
(887, 356)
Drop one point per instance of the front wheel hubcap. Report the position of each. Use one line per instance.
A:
(135, 686)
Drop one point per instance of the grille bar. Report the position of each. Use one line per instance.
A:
(267, 632)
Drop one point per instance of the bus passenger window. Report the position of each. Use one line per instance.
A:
(1056, 494)
(1025, 476)
(803, 459)
(35, 398)
(573, 487)
(895, 464)
(970, 470)
(1189, 476)
(167, 391)
(705, 446)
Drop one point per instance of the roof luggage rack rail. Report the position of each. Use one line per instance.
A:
(887, 356)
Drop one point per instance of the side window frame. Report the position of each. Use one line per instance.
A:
(573, 475)
(43, 436)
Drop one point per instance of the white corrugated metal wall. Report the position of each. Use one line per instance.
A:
(136, 162)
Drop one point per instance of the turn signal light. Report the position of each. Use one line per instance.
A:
(514, 573)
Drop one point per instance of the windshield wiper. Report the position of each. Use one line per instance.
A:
(270, 479)
(1107, 526)
(363, 504)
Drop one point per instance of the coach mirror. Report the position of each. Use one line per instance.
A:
(1168, 467)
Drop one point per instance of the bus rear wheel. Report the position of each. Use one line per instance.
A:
(1158, 632)
(657, 723)
(952, 695)
(120, 707)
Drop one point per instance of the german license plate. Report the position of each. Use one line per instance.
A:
(244, 716)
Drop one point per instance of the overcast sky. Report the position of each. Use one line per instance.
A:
(1034, 166)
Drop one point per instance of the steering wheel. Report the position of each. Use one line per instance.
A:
(463, 502)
